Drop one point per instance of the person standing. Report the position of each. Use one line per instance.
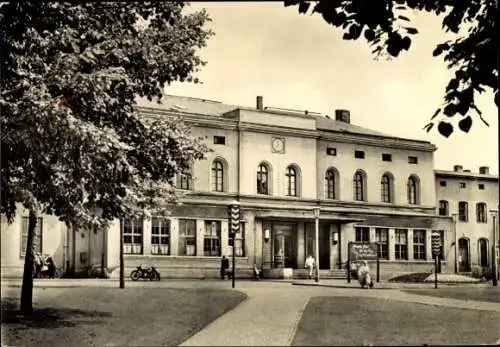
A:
(224, 265)
(309, 265)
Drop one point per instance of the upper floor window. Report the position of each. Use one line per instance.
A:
(481, 212)
(185, 179)
(263, 179)
(359, 186)
(362, 234)
(463, 211)
(211, 239)
(443, 208)
(331, 151)
(217, 176)
(412, 160)
(38, 235)
(331, 184)
(219, 140)
(412, 188)
(132, 236)
(359, 154)
(292, 181)
(481, 186)
(386, 188)
(386, 157)
(442, 183)
(160, 236)
(463, 185)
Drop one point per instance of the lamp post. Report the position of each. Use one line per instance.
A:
(316, 241)
(494, 248)
(454, 217)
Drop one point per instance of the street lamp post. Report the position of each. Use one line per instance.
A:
(493, 248)
(316, 235)
(454, 217)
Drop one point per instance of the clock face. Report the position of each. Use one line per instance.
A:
(278, 145)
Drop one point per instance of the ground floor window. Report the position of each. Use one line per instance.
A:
(362, 234)
(401, 244)
(419, 245)
(132, 235)
(382, 239)
(37, 242)
(160, 236)
(211, 239)
(187, 237)
(239, 241)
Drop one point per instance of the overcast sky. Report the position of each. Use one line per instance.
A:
(301, 62)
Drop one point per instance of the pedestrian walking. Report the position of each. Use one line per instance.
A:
(309, 265)
(224, 265)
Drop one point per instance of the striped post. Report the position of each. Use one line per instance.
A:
(234, 227)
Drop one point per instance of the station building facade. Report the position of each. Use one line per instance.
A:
(286, 168)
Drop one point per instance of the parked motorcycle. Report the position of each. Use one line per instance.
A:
(147, 273)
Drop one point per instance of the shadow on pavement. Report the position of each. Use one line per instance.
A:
(48, 318)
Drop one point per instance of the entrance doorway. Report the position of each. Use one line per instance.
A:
(284, 246)
(324, 244)
(483, 252)
(463, 255)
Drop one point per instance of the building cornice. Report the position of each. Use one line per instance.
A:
(465, 175)
(371, 140)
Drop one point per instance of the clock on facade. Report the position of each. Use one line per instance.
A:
(278, 145)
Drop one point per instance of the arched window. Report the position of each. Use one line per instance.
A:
(291, 181)
(386, 188)
(263, 179)
(412, 189)
(217, 176)
(331, 182)
(359, 186)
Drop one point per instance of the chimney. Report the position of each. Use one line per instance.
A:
(343, 116)
(458, 168)
(484, 170)
(260, 103)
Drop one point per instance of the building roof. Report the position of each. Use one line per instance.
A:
(465, 175)
(198, 106)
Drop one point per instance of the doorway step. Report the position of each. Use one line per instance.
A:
(332, 274)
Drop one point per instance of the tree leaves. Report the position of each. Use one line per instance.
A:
(72, 140)
(471, 56)
(465, 124)
(445, 128)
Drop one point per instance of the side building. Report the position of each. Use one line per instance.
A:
(472, 199)
(286, 168)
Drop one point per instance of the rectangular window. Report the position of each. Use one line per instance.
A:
(219, 140)
(463, 185)
(442, 183)
(481, 186)
(359, 154)
(382, 238)
(38, 235)
(211, 239)
(443, 208)
(463, 211)
(132, 236)
(331, 151)
(240, 242)
(412, 160)
(419, 244)
(187, 237)
(160, 236)
(441, 248)
(386, 157)
(401, 245)
(362, 234)
(481, 212)
(184, 182)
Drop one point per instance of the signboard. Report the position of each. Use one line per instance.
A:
(363, 251)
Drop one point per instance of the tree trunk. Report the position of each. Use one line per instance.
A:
(122, 270)
(27, 287)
